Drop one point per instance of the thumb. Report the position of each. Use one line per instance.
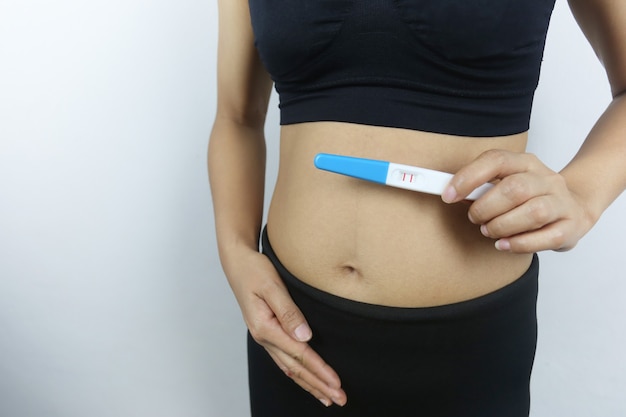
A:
(288, 314)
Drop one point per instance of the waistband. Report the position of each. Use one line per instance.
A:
(524, 288)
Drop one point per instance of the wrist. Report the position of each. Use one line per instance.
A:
(588, 197)
(236, 246)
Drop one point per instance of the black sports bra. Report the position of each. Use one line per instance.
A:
(460, 67)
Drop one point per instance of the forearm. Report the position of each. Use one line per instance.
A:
(236, 163)
(597, 174)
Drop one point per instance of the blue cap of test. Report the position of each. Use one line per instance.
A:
(362, 168)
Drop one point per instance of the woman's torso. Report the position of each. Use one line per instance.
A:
(378, 244)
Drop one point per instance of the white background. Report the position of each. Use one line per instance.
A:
(112, 300)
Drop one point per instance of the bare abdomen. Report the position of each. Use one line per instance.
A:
(378, 244)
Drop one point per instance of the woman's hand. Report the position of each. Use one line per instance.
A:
(530, 208)
(277, 324)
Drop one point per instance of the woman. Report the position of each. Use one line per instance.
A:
(379, 300)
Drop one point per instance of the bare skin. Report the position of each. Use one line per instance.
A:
(379, 244)
(387, 246)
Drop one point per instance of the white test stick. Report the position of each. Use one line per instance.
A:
(395, 175)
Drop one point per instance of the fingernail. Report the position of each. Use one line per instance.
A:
(449, 194)
(325, 402)
(339, 401)
(484, 231)
(503, 245)
(303, 333)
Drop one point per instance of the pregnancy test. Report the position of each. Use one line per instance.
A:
(395, 175)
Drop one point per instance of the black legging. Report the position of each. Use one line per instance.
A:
(467, 359)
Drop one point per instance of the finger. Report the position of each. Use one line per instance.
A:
(287, 313)
(532, 215)
(268, 332)
(305, 378)
(488, 166)
(550, 237)
(276, 338)
(296, 376)
(510, 192)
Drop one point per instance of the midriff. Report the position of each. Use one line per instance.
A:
(378, 244)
